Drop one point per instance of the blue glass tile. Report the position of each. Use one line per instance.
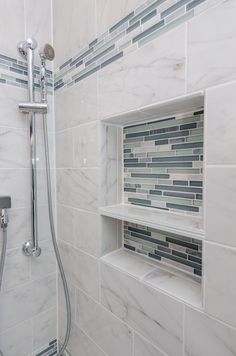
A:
(8, 58)
(179, 195)
(22, 81)
(167, 135)
(129, 247)
(137, 134)
(180, 182)
(130, 189)
(65, 64)
(150, 175)
(112, 59)
(87, 74)
(140, 231)
(177, 259)
(194, 3)
(179, 188)
(161, 142)
(171, 164)
(148, 31)
(132, 27)
(142, 165)
(200, 112)
(196, 183)
(195, 259)
(146, 11)
(107, 50)
(192, 125)
(139, 201)
(121, 22)
(175, 159)
(149, 16)
(152, 255)
(187, 145)
(173, 8)
(91, 44)
(82, 56)
(179, 254)
(183, 207)
(2, 81)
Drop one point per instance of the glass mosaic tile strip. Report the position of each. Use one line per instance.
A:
(50, 350)
(14, 72)
(146, 22)
(162, 169)
(180, 252)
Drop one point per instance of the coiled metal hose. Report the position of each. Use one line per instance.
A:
(54, 241)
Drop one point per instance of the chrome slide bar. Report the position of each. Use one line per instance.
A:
(26, 49)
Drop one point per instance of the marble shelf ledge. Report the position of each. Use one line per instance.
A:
(163, 278)
(184, 225)
(174, 106)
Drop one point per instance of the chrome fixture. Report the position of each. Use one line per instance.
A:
(27, 108)
(5, 203)
(31, 248)
(26, 49)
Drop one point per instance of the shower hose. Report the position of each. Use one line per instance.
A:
(54, 241)
(2, 260)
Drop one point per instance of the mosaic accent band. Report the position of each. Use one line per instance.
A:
(14, 72)
(142, 25)
(163, 164)
(50, 350)
(180, 252)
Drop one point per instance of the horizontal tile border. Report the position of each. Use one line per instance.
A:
(140, 26)
(14, 72)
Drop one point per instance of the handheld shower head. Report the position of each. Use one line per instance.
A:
(47, 52)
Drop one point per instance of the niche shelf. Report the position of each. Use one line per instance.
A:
(169, 213)
(189, 226)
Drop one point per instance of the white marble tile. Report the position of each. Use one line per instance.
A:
(75, 32)
(46, 263)
(24, 302)
(64, 149)
(109, 12)
(113, 336)
(221, 125)
(38, 22)
(19, 227)
(79, 343)
(81, 269)
(110, 164)
(12, 26)
(44, 328)
(220, 203)
(129, 263)
(206, 336)
(144, 76)
(77, 104)
(65, 223)
(10, 116)
(16, 183)
(110, 235)
(149, 312)
(17, 340)
(182, 288)
(78, 188)
(212, 49)
(220, 284)
(86, 139)
(14, 148)
(87, 231)
(143, 347)
(16, 269)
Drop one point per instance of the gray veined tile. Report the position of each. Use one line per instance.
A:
(134, 303)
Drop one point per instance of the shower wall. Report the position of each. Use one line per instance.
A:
(114, 313)
(28, 298)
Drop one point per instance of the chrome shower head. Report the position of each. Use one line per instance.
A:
(23, 45)
(47, 52)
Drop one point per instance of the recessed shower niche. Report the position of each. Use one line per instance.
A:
(153, 160)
